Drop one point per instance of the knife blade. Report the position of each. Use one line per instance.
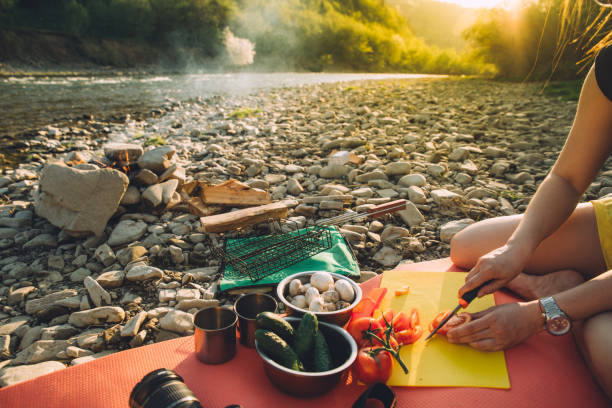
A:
(464, 301)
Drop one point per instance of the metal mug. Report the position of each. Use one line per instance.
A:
(247, 307)
(215, 334)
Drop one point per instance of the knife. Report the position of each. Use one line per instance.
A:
(464, 301)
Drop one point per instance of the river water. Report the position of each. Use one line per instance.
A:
(32, 102)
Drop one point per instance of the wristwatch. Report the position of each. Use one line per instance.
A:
(557, 322)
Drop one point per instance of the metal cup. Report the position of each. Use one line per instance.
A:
(215, 334)
(247, 307)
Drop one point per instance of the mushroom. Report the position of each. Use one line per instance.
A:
(331, 296)
(341, 304)
(329, 307)
(345, 290)
(304, 288)
(321, 280)
(299, 301)
(295, 287)
(311, 294)
(317, 305)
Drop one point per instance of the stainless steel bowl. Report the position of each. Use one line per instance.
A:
(339, 317)
(308, 384)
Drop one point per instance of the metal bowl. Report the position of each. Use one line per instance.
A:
(339, 317)
(308, 384)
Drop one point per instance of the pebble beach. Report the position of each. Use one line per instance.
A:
(97, 258)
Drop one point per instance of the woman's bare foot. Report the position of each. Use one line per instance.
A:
(531, 287)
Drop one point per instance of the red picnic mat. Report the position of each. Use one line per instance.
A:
(545, 371)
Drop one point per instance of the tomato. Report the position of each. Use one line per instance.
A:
(401, 321)
(457, 320)
(409, 336)
(414, 318)
(388, 316)
(373, 368)
(402, 291)
(357, 326)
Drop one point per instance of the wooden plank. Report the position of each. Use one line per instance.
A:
(234, 193)
(247, 216)
(197, 207)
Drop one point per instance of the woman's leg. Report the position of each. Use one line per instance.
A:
(575, 245)
(594, 338)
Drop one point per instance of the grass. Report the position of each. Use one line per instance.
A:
(243, 113)
(154, 141)
(511, 195)
(566, 90)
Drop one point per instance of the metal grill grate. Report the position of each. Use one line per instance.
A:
(258, 257)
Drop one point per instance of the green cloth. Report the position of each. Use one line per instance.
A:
(338, 259)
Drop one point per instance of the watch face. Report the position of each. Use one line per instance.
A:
(558, 325)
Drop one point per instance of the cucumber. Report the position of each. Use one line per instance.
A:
(322, 355)
(278, 349)
(304, 336)
(276, 324)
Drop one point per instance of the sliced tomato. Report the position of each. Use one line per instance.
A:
(402, 291)
(358, 327)
(370, 368)
(409, 336)
(401, 321)
(457, 320)
(415, 320)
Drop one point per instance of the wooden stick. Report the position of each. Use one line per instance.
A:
(234, 193)
(247, 216)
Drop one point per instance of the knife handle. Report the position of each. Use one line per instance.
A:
(467, 297)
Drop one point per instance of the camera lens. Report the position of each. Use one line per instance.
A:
(163, 388)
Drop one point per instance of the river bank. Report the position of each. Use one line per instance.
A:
(459, 150)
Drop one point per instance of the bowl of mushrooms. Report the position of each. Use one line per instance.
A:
(328, 295)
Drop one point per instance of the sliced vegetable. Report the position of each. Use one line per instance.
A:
(457, 320)
(402, 291)
(409, 336)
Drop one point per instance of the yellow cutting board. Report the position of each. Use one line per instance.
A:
(438, 362)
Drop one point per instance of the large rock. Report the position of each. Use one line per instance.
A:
(143, 272)
(14, 375)
(79, 201)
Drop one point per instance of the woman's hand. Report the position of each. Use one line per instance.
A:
(499, 327)
(499, 266)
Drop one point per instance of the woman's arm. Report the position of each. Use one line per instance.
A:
(588, 145)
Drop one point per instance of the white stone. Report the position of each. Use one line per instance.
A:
(127, 231)
(413, 180)
(196, 304)
(446, 198)
(144, 272)
(157, 159)
(177, 321)
(411, 215)
(36, 306)
(133, 325)
(448, 230)
(14, 375)
(99, 315)
(96, 292)
(398, 168)
(334, 171)
(166, 295)
(111, 279)
(187, 294)
(41, 350)
(387, 256)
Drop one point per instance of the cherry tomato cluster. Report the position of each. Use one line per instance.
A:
(379, 340)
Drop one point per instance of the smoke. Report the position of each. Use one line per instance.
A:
(240, 51)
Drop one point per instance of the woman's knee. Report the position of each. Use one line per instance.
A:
(471, 243)
(597, 337)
